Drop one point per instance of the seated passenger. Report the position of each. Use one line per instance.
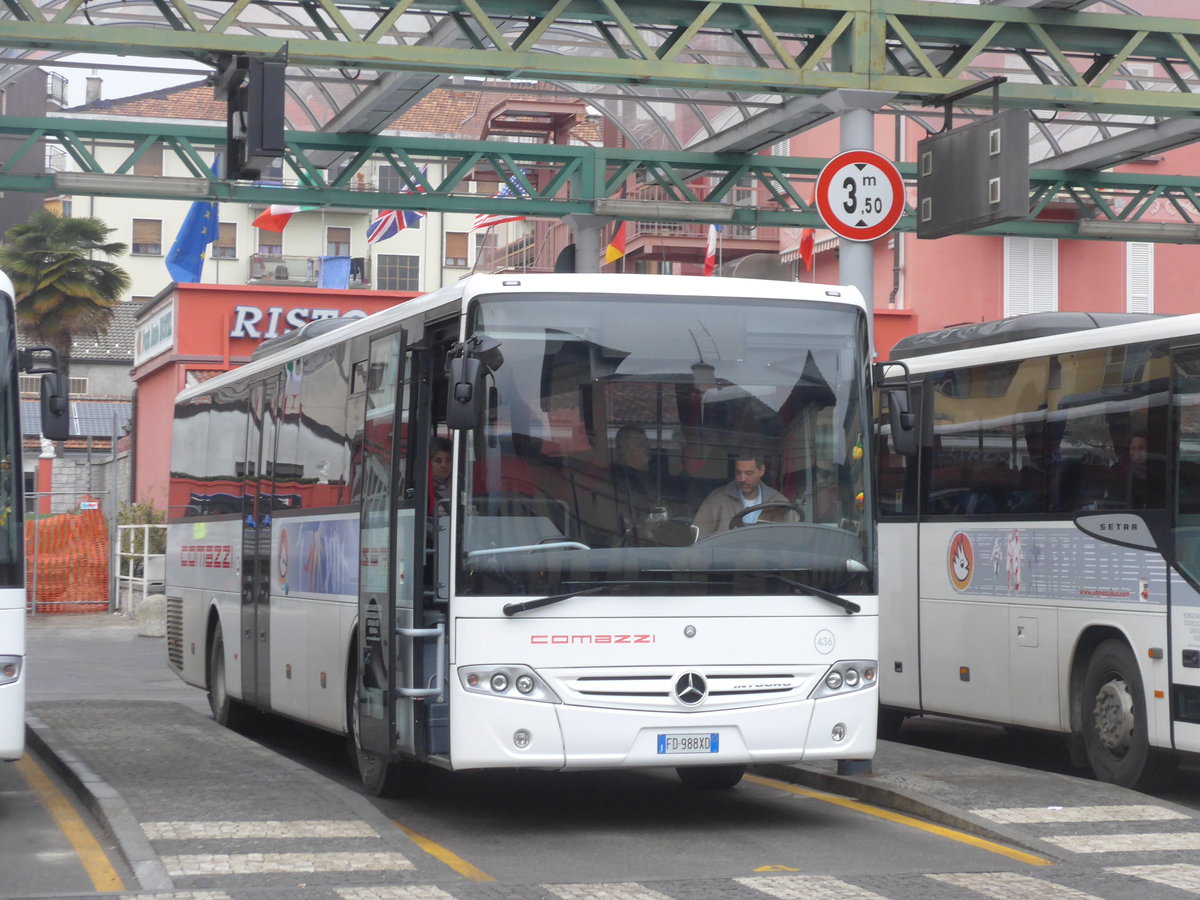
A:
(747, 489)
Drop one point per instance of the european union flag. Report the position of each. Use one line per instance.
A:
(185, 259)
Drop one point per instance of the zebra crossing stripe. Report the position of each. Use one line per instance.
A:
(807, 887)
(1183, 876)
(612, 891)
(1010, 886)
(395, 892)
(1038, 815)
(274, 863)
(1126, 843)
(191, 831)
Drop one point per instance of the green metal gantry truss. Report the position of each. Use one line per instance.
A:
(916, 51)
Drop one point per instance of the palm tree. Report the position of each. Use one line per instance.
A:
(63, 292)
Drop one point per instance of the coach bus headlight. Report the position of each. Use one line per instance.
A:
(518, 682)
(846, 676)
(10, 669)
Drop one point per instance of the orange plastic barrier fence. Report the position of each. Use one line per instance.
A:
(70, 565)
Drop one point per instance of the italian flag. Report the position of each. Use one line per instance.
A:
(276, 217)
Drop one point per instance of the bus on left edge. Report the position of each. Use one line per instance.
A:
(55, 425)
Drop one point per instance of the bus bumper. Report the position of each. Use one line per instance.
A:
(507, 732)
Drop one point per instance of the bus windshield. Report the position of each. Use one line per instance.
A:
(673, 445)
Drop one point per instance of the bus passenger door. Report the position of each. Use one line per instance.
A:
(1184, 602)
(257, 502)
(391, 556)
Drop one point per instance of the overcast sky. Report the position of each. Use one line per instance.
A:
(118, 83)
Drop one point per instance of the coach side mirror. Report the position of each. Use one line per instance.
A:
(56, 409)
(466, 393)
(900, 421)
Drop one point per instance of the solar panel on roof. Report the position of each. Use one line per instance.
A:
(88, 417)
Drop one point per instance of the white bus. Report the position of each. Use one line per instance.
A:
(551, 606)
(12, 518)
(1040, 538)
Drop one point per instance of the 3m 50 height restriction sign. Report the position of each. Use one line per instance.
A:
(860, 195)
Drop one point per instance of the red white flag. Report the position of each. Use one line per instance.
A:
(710, 251)
(808, 236)
(275, 217)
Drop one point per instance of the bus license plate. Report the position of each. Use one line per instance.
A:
(688, 743)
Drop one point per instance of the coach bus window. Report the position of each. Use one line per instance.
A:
(990, 446)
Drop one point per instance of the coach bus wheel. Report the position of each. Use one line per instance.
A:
(1112, 711)
(225, 710)
(379, 777)
(711, 778)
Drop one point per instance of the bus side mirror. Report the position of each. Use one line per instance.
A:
(466, 393)
(900, 420)
(56, 410)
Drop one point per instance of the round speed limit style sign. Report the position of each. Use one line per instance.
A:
(860, 195)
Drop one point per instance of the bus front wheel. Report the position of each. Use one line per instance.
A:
(380, 778)
(1112, 710)
(710, 778)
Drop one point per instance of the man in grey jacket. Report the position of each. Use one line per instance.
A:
(746, 489)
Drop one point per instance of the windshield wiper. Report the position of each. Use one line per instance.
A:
(511, 609)
(848, 605)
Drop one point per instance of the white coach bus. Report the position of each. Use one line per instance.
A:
(550, 604)
(1040, 539)
(55, 423)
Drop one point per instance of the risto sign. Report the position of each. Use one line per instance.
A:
(260, 324)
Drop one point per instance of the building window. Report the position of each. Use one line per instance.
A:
(32, 384)
(147, 237)
(150, 162)
(225, 246)
(456, 249)
(1139, 277)
(1030, 275)
(394, 272)
(390, 181)
(337, 241)
(270, 243)
(273, 173)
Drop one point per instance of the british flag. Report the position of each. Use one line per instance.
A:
(391, 222)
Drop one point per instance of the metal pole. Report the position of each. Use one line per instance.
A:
(588, 231)
(856, 259)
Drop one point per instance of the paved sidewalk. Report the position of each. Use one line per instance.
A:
(142, 751)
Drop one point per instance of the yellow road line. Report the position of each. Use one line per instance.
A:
(900, 819)
(451, 859)
(95, 861)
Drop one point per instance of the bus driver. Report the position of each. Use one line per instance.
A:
(746, 489)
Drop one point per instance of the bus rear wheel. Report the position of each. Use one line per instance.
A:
(379, 777)
(225, 710)
(1114, 723)
(710, 778)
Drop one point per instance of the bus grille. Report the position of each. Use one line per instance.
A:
(175, 633)
(728, 687)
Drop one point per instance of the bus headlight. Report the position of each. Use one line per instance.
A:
(517, 682)
(10, 669)
(846, 676)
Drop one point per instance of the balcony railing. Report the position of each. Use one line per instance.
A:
(302, 270)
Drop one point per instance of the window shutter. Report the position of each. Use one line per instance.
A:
(1139, 277)
(1030, 275)
(147, 231)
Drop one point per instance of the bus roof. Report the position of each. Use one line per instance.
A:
(516, 283)
(1014, 328)
(1144, 329)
